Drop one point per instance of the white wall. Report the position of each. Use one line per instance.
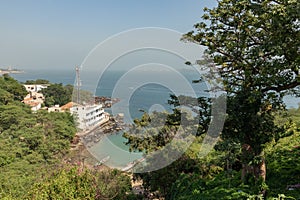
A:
(88, 116)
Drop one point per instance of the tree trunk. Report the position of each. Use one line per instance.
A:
(246, 169)
(247, 152)
(260, 170)
(260, 173)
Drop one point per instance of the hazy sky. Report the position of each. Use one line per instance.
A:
(60, 33)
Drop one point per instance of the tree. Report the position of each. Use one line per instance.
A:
(77, 183)
(255, 47)
(57, 94)
(37, 81)
(5, 97)
(159, 130)
(12, 86)
(12, 116)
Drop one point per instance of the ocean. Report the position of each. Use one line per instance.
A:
(144, 96)
(141, 91)
(140, 95)
(144, 92)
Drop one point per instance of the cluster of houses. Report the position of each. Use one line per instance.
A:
(34, 99)
(88, 116)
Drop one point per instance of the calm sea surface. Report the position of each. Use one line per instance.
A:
(105, 86)
(136, 94)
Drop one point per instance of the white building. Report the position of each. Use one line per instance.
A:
(54, 108)
(38, 97)
(88, 116)
(34, 100)
(36, 106)
(35, 87)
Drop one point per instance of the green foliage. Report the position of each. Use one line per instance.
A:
(57, 94)
(218, 175)
(283, 170)
(162, 179)
(29, 141)
(295, 114)
(12, 116)
(284, 166)
(255, 47)
(33, 146)
(85, 96)
(11, 86)
(37, 81)
(153, 131)
(5, 97)
(192, 187)
(78, 183)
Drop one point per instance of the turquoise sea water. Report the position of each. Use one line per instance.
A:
(114, 147)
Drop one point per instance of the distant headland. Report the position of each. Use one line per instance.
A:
(10, 70)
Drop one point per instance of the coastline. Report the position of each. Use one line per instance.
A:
(2, 72)
(108, 126)
(105, 135)
(83, 140)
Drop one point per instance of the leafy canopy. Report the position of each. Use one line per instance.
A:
(255, 46)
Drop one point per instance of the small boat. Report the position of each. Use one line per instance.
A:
(102, 161)
(129, 166)
(132, 164)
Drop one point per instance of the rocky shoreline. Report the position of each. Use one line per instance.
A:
(112, 126)
(86, 139)
(82, 157)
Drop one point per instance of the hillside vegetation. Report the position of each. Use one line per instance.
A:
(33, 149)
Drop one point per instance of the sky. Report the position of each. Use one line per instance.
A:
(58, 34)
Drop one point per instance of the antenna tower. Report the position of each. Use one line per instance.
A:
(78, 84)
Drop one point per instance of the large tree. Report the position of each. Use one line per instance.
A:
(255, 45)
(57, 94)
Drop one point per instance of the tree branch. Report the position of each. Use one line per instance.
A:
(282, 87)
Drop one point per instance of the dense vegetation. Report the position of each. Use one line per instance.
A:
(37, 81)
(218, 175)
(253, 46)
(10, 90)
(253, 54)
(29, 142)
(34, 147)
(59, 94)
(222, 177)
(75, 183)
